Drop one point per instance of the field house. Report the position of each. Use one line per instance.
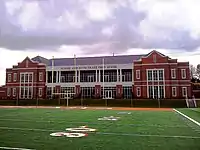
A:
(153, 76)
(105, 99)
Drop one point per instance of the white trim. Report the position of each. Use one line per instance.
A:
(155, 64)
(15, 77)
(40, 76)
(183, 73)
(9, 77)
(40, 92)
(154, 51)
(186, 85)
(8, 91)
(166, 81)
(91, 84)
(35, 68)
(24, 86)
(14, 91)
(174, 90)
(137, 74)
(173, 73)
(159, 64)
(192, 120)
(26, 83)
(184, 88)
(138, 91)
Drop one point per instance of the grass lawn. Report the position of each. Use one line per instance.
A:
(141, 130)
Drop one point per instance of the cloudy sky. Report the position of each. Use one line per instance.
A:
(97, 27)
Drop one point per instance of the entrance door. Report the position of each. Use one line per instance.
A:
(108, 94)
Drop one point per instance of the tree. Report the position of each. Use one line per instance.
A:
(192, 72)
(198, 71)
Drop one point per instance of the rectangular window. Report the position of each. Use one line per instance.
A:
(41, 76)
(91, 78)
(14, 91)
(30, 77)
(137, 74)
(174, 91)
(15, 77)
(155, 75)
(26, 77)
(173, 73)
(184, 91)
(8, 91)
(183, 73)
(40, 92)
(22, 77)
(9, 77)
(149, 74)
(161, 75)
(138, 92)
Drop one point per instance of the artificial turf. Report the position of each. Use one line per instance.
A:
(142, 130)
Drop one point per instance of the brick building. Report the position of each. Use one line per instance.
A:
(127, 76)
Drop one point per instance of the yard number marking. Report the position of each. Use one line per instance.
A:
(73, 135)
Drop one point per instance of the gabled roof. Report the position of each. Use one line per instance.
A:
(120, 59)
(40, 60)
(154, 51)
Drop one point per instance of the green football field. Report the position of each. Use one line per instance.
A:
(30, 128)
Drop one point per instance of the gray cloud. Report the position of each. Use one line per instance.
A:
(89, 37)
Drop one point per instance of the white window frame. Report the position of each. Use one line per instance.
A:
(8, 91)
(9, 77)
(184, 88)
(40, 76)
(14, 92)
(15, 77)
(173, 73)
(91, 78)
(183, 73)
(174, 90)
(137, 74)
(138, 89)
(40, 92)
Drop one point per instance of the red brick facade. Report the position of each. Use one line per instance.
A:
(155, 61)
(176, 79)
(38, 81)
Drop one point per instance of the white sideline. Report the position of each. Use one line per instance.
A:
(107, 133)
(192, 120)
(15, 148)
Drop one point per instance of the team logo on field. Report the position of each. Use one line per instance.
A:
(81, 129)
(72, 135)
(111, 118)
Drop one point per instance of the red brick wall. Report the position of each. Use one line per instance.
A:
(162, 62)
(32, 67)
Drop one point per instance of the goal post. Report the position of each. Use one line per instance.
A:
(66, 95)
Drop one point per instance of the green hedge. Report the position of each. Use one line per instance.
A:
(100, 102)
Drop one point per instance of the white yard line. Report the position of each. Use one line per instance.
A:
(192, 120)
(15, 148)
(109, 133)
(95, 123)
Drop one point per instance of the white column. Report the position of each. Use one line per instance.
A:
(28, 86)
(158, 84)
(79, 76)
(99, 75)
(96, 76)
(117, 75)
(59, 76)
(120, 75)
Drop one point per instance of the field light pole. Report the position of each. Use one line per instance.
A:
(103, 75)
(52, 65)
